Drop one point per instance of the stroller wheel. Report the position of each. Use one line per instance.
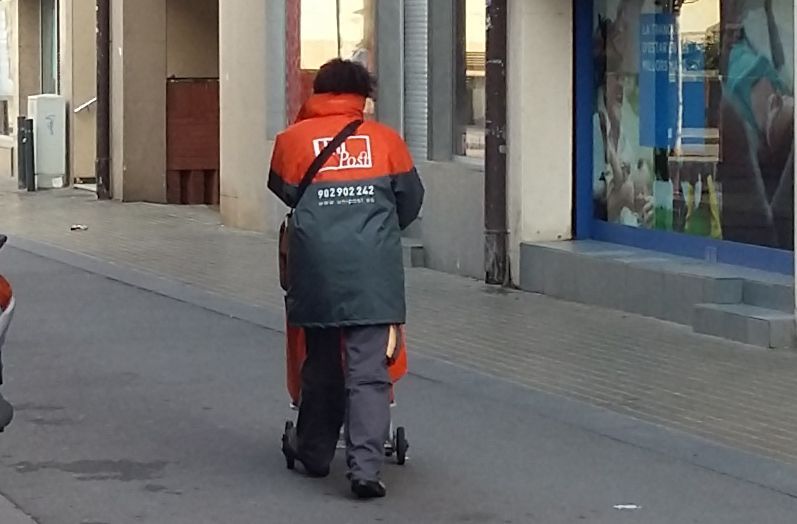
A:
(287, 449)
(401, 446)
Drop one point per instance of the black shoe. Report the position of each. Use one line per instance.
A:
(368, 489)
(317, 473)
(290, 450)
(6, 413)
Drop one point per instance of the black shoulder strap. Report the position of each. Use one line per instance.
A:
(323, 156)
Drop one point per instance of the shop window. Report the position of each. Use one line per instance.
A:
(693, 123)
(49, 46)
(320, 30)
(470, 80)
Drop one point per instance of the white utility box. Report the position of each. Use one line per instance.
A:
(48, 113)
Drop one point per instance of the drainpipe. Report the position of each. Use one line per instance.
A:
(496, 257)
(337, 26)
(679, 85)
(794, 209)
(103, 164)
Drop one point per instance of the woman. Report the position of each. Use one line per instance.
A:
(345, 280)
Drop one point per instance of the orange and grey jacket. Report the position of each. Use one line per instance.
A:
(345, 261)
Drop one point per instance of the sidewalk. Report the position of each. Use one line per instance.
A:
(655, 371)
(10, 514)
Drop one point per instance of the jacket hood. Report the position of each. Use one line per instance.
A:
(329, 104)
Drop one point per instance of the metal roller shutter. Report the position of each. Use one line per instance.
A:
(416, 86)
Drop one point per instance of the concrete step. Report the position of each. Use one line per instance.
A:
(414, 255)
(618, 277)
(747, 305)
(770, 295)
(767, 328)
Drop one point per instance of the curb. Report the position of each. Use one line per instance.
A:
(11, 514)
(167, 287)
(674, 444)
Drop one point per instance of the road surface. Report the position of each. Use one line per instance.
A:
(135, 407)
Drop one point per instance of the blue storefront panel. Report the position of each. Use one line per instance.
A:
(712, 184)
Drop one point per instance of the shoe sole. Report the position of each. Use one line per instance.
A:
(365, 493)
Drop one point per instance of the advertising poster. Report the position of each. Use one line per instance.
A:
(694, 118)
(756, 167)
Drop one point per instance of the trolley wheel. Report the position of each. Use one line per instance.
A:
(401, 446)
(287, 450)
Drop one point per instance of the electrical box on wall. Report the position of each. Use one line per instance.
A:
(48, 113)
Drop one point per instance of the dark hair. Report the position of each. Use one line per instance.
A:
(344, 77)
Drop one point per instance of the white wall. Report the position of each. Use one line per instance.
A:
(192, 38)
(79, 83)
(245, 148)
(138, 100)
(540, 121)
(452, 227)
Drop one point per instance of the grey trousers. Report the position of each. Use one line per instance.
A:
(355, 393)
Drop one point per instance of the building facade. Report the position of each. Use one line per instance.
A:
(28, 36)
(656, 134)
(429, 58)
(47, 47)
(200, 88)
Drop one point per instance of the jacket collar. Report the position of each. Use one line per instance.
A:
(328, 104)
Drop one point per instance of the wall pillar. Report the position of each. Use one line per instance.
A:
(540, 122)
(245, 148)
(138, 100)
(79, 84)
(28, 63)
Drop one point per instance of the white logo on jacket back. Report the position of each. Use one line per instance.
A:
(354, 153)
